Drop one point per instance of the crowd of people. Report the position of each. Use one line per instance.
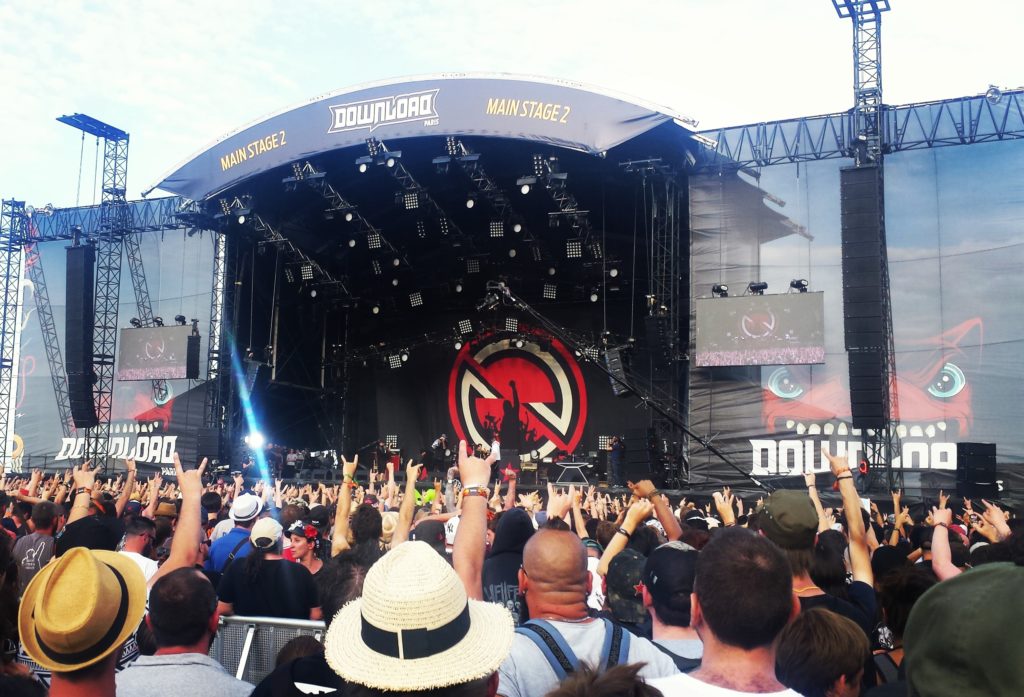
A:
(467, 586)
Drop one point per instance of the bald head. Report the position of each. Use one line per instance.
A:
(555, 557)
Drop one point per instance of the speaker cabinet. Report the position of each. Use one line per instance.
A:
(78, 334)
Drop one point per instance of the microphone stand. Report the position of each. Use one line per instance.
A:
(509, 298)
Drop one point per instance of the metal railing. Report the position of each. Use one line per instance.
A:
(247, 647)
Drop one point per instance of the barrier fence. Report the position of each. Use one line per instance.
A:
(248, 646)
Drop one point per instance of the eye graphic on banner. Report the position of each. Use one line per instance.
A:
(533, 398)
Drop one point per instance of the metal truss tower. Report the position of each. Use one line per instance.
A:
(12, 227)
(882, 445)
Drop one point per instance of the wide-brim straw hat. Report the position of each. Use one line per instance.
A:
(415, 629)
(80, 608)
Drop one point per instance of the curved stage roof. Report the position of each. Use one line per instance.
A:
(556, 113)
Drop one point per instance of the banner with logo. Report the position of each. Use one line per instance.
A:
(956, 247)
(557, 113)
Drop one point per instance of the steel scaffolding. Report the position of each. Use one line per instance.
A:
(12, 228)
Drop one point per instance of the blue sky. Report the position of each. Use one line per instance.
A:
(179, 74)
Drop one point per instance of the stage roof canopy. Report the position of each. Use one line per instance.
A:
(553, 112)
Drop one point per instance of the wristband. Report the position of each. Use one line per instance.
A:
(348, 478)
(476, 491)
(624, 532)
(811, 486)
(729, 525)
(654, 493)
(83, 489)
(848, 476)
(943, 525)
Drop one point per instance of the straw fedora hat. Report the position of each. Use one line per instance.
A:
(80, 608)
(414, 628)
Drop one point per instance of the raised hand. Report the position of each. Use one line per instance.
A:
(84, 476)
(190, 482)
(412, 472)
(474, 471)
(348, 467)
(943, 499)
(838, 463)
(941, 516)
(639, 512)
(723, 502)
(643, 489)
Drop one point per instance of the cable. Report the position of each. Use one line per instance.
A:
(81, 157)
(95, 169)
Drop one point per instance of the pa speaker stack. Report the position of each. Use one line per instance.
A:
(78, 331)
(976, 470)
(862, 240)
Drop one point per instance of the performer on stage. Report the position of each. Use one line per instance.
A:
(616, 459)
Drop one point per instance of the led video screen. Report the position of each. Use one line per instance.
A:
(784, 329)
(153, 353)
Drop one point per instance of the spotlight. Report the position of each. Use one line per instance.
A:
(307, 272)
(136, 322)
(720, 290)
(411, 200)
(404, 355)
(458, 344)
(465, 327)
(497, 228)
(394, 361)
(574, 249)
(416, 299)
(524, 189)
(349, 217)
(472, 266)
(255, 440)
(375, 309)
(158, 321)
(289, 275)
(312, 293)
(511, 325)
(352, 242)
(390, 161)
(757, 287)
(512, 253)
(993, 94)
(519, 343)
(550, 291)
(396, 262)
(799, 285)
(526, 183)
(551, 271)
(470, 202)
(180, 319)
(373, 240)
(517, 228)
(241, 220)
(458, 287)
(394, 282)
(594, 295)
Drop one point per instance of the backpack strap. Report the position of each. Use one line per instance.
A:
(552, 644)
(615, 650)
(685, 665)
(231, 557)
(886, 667)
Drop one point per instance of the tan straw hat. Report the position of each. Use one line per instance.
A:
(80, 608)
(414, 628)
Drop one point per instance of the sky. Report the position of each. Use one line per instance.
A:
(179, 74)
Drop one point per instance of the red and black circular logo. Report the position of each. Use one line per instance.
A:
(532, 397)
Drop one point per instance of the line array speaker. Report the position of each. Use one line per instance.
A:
(78, 334)
(976, 470)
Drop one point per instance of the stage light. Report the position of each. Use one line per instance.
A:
(465, 326)
(489, 302)
(594, 295)
(307, 272)
(525, 184)
(349, 217)
(241, 220)
(577, 353)
(416, 299)
(512, 253)
(524, 189)
(519, 343)
(394, 361)
(720, 290)
(158, 321)
(590, 352)
(362, 167)
(574, 249)
(497, 228)
(552, 271)
(352, 242)
(799, 285)
(470, 202)
(373, 240)
(511, 325)
(136, 322)
(757, 287)
(993, 95)
(180, 319)
(289, 275)
(396, 262)
(472, 266)
(458, 344)
(375, 309)
(421, 229)
(375, 265)
(458, 287)
(312, 293)
(550, 291)
(255, 440)
(538, 255)
(405, 355)
(613, 272)
(394, 282)
(517, 228)
(390, 161)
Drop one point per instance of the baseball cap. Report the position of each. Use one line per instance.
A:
(789, 520)
(319, 516)
(625, 573)
(265, 533)
(958, 638)
(669, 573)
(245, 507)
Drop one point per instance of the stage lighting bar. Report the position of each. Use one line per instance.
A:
(497, 228)
(465, 327)
(391, 441)
(421, 229)
(550, 291)
(373, 240)
(511, 325)
(472, 266)
(394, 361)
(538, 253)
(799, 285)
(574, 249)
(603, 442)
(416, 299)
(443, 225)
(757, 287)
(596, 251)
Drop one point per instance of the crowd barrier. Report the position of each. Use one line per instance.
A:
(248, 646)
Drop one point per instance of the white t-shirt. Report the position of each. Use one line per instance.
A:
(683, 685)
(596, 598)
(496, 450)
(148, 566)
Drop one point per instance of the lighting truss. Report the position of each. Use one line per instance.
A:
(550, 291)
(416, 299)
(546, 170)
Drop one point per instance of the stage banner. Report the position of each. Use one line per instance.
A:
(149, 420)
(557, 113)
(955, 245)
